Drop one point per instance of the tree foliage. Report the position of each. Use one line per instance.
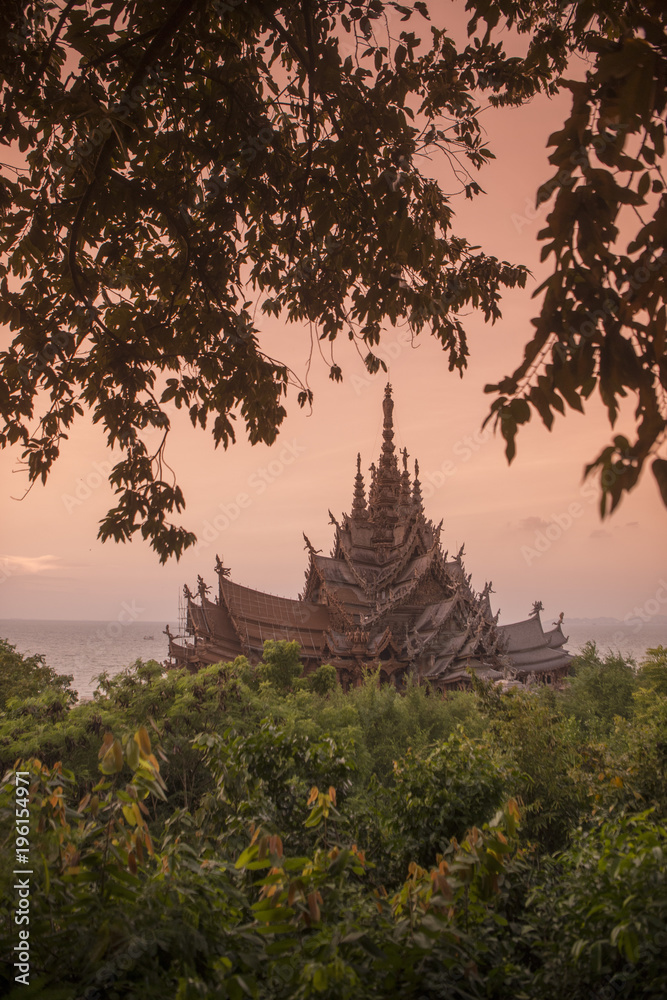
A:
(281, 663)
(28, 676)
(297, 866)
(653, 670)
(182, 165)
(601, 326)
(600, 688)
(187, 163)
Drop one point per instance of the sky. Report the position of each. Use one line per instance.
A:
(532, 528)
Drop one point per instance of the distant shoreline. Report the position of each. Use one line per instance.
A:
(89, 621)
(602, 620)
(86, 648)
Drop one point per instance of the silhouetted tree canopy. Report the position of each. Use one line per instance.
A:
(186, 161)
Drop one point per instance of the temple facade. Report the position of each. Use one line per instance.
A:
(387, 594)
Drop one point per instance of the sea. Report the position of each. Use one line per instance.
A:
(86, 649)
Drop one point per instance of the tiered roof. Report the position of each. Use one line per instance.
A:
(387, 592)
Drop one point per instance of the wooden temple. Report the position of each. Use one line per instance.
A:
(387, 594)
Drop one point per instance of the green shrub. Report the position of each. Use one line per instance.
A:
(437, 793)
(602, 922)
(652, 671)
(169, 877)
(281, 664)
(600, 689)
(324, 680)
(28, 677)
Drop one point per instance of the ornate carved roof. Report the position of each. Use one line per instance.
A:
(387, 591)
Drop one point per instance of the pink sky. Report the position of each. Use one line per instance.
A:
(251, 504)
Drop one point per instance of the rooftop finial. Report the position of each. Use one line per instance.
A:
(359, 509)
(388, 483)
(372, 489)
(388, 457)
(417, 490)
(405, 497)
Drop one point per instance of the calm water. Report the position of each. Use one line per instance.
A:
(85, 649)
(630, 640)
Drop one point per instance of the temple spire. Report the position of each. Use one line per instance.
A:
(388, 480)
(388, 456)
(417, 490)
(406, 492)
(372, 489)
(359, 509)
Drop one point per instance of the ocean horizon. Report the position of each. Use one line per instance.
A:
(86, 649)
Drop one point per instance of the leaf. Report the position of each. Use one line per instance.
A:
(541, 403)
(272, 914)
(246, 856)
(143, 739)
(313, 906)
(128, 813)
(112, 762)
(339, 862)
(132, 753)
(106, 743)
(315, 817)
(320, 979)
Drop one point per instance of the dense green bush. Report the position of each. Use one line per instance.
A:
(652, 671)
(437, 794)
(542, 749)
(603, 920)
(324, 679)
(253, 833)
(28, 676)
(600, 689)
(281, 663)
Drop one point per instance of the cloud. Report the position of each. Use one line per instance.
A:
(28, 565)
(532, 523)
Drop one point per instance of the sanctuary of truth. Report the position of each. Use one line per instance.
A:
(387, 595)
